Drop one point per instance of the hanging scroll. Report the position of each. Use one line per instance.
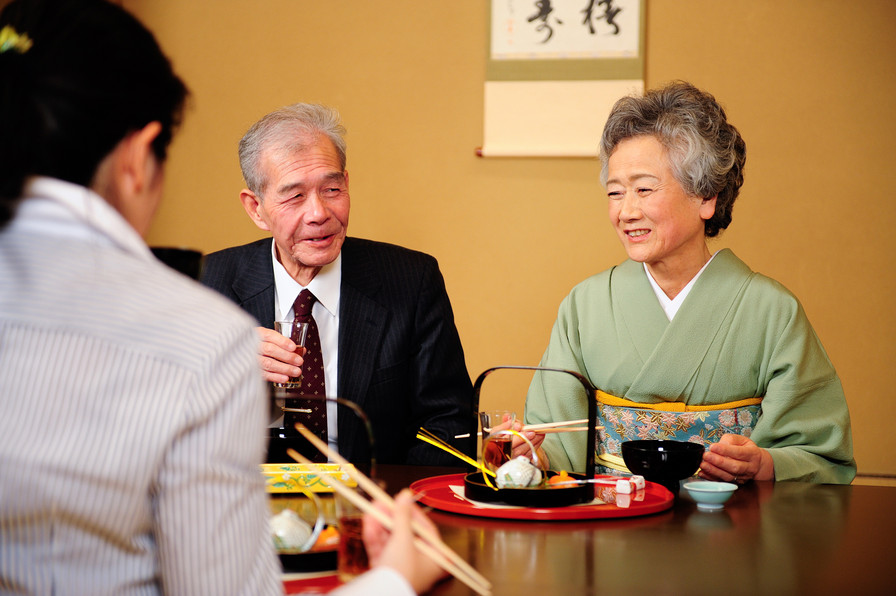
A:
(554, 70)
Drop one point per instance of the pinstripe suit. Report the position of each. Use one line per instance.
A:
(132, 415)
(400, 356)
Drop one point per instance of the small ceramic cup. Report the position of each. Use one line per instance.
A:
(709, 496)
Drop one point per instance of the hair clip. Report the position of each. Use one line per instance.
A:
(10, 39)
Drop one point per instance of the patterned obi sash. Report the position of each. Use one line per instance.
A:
(626, 420)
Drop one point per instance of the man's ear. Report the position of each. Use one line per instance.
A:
(252, 204)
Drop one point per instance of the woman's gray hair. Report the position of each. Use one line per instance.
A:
(706, 153)
(288, 129)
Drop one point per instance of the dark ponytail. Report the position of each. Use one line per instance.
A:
(77, 78)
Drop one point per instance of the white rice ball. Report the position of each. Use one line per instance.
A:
(519, 472)
(290, 531)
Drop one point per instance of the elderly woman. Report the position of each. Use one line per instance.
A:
(684, 343)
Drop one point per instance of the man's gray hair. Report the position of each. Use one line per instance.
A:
(288, 129)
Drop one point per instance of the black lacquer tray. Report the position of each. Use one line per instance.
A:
(475, 488)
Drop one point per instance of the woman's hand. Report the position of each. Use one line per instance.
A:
(520, 447)
(396, 549)
(737, 459)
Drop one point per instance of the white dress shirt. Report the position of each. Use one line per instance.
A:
(380, 581)
(326, 288)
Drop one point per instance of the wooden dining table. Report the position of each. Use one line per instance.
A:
(770, 538)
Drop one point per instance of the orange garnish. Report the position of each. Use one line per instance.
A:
(327, 540)
(560, 478)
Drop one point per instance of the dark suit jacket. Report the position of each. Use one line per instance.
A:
(400, 356)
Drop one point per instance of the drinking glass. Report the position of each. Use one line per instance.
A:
(497, 451)
(296, 331)
(352, 558)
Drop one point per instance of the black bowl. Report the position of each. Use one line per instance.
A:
(664, 462)
(280, 440)
(185, 260)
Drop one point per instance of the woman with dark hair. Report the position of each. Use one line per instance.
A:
(133, 409)
(683, 343)
(69, 98)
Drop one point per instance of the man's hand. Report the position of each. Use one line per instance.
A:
(737, 459)
(278, 356)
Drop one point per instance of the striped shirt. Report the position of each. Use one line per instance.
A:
(132, 415)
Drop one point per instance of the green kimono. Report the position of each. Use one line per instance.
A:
(737, 335)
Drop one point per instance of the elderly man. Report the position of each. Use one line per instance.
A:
(380, 313)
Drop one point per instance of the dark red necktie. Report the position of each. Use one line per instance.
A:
(312, 373)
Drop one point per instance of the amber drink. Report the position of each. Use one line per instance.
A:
(496, 446)
(296, 331)
(352, 556)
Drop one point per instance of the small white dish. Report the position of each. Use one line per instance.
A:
(709, 496)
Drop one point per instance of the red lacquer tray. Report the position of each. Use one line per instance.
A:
(314, 585)
(436, 492)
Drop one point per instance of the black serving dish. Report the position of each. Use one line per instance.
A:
(663, 462)
(323, 560)
(476, 489)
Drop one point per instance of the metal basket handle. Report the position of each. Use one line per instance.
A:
(590, 389)
(357, 410)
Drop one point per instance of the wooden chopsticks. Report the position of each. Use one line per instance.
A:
(427, 541)
(574, 429)
(551, 425)
(548, 427)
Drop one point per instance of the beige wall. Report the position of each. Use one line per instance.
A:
(809, 83)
